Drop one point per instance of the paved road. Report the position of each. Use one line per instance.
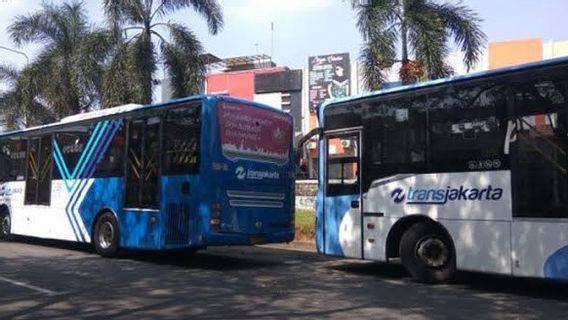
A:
(53, 280)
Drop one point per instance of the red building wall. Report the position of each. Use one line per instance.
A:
(238, 84)
(234, 84)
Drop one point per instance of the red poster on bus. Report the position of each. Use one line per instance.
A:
(253, 133)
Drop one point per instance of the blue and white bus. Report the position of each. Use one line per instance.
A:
(468, 173)
(190, 173)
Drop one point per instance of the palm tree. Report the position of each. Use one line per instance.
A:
(138, 25)
(420, 30)
(65, 77)
(17, 104)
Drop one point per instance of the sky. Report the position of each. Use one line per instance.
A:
(304, 28)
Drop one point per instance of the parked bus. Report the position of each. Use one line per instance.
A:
(468, 173)
(194, 172)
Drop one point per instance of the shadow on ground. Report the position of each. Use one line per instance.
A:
(256, 283)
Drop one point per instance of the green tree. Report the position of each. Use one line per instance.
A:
(18, 106)
(420, 30)
(139, 26)
(65, 77)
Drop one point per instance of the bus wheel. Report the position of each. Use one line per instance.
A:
(426, 253)
(106, 235)
(5, 225)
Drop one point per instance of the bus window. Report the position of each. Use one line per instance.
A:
(467, 129)
(112, 164)
(18, 149)
(343, 164)
(181, 141)
(143, 167)
(13, 163)
(538, 150)
(68, 147)
(395, 139)
(38, 182)
(4, 161)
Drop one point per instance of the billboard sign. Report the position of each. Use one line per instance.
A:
(329, 77)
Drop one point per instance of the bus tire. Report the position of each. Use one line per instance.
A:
(426, 252)
(106, 235)
(5, 225)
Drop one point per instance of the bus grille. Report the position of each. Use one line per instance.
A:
(255, 199)
(177, 223)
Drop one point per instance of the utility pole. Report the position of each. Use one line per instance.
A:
(272, 40)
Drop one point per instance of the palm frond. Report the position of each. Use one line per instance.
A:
(116, 84)
(427, 38)
(8, 74)
(119, 12)
(182, 61)
(36, 27)
(378, 16)
(209, 9)
(372, 74)
(463, 24)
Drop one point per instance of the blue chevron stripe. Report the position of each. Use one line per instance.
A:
(103, 142)
(89, 155)
(69, 179)
(69, 210)
(59, 157)
(94, 136)
(60, 163)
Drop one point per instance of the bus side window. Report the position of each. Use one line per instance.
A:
(182, 135)
(112, 163)
(539, 149)
(68, 146)
(395, 139)
(18, 159)
(4, 161)
(467, 132)
(343, 164)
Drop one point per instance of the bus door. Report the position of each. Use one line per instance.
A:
(342, 223)
(143, 164)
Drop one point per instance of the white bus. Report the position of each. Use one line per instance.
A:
(467, 173)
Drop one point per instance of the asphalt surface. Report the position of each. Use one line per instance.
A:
(56, 280)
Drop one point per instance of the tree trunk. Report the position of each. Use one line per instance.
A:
(403, 73)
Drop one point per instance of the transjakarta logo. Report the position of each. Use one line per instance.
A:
(442, 196)
(252, 174)
(241, 173)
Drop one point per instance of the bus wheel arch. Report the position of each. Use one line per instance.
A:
(425, 247)
(106, 233)
(5, 222)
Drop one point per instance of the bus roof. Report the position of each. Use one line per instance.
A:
(459, 78)
(124, 109)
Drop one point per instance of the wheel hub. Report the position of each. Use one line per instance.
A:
(433, 252)
(106, 235)
(5, 225)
